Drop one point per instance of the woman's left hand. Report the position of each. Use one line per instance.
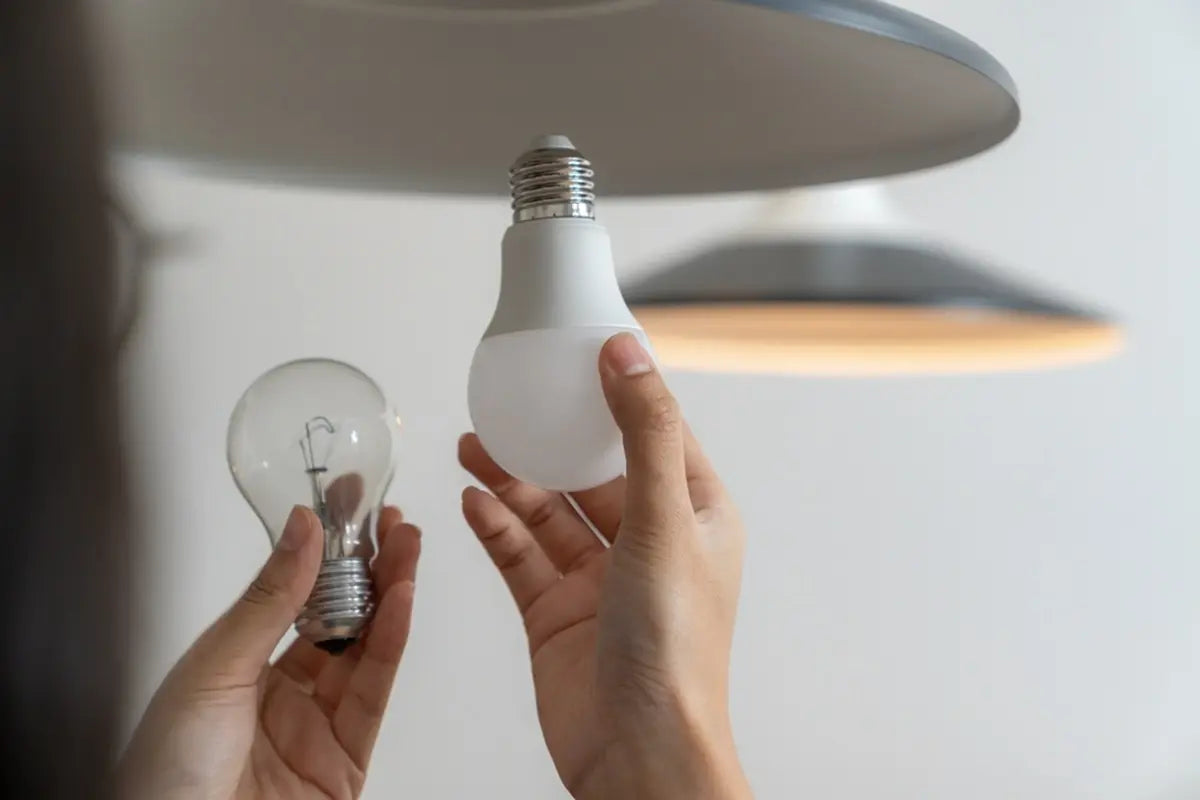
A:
(227, 723)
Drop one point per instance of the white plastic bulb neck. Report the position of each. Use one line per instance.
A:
(558, 273)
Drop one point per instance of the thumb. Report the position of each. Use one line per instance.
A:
(652, 430)
(235, 649)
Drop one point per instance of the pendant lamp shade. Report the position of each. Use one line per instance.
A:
(848, 290)
(670, 96)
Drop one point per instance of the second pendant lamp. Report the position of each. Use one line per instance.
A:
(833, 281)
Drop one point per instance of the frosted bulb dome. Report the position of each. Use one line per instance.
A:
(539, 409)
(534, 389)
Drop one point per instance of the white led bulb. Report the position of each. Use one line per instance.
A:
(534, 390)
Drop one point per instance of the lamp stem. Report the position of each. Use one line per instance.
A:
(858, 211)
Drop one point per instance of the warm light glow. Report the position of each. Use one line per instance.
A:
(862, 339)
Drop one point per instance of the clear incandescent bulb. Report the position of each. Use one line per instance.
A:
(319, 433)
(534, 389)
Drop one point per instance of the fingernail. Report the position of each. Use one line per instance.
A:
(627, 357)
(295, 530)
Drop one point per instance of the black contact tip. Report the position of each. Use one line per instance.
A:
(335, 647)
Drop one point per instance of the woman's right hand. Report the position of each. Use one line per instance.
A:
(630, 643)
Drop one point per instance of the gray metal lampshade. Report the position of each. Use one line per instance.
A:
(839, 305)
(666, 96)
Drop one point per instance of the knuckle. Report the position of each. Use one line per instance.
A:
(507, 491)
(262, 591)
(541, 513)
(512, 554)
(507, 548)
(493, 532)
(662, 414)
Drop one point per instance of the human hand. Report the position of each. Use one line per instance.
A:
(629, 643)
(226, 723)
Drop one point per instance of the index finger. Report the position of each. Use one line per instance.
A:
(359, 711)
(704, 485)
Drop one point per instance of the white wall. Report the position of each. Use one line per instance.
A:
(956, 588)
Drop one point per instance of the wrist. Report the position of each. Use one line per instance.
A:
(684, 762)
(698, 767)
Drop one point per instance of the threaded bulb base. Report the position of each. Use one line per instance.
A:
(552, 179)
(340, 606)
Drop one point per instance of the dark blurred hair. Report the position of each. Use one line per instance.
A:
(62, 486)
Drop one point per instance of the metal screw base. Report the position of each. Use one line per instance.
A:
(552, 179)
(340, 606)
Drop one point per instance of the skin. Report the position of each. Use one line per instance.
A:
(629, 633)
(227, 723)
